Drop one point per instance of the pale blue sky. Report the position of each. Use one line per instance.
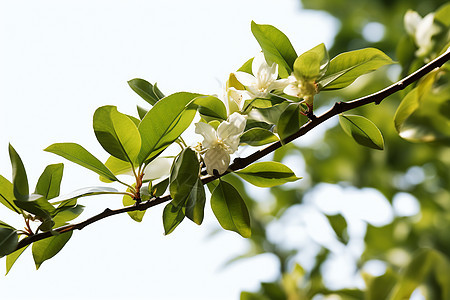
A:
(59, 61)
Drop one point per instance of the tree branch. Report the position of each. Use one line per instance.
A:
(240, 163)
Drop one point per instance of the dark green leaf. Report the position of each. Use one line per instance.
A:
(117, 133)
(183, 175)
(160, 188)
(146, 90)
(49, 182)
(276, 47)
(7, 194)
(258, 137)
(12, 258)
(37, 205)
(339, 225)
(172, 217)
(289, 121)
(66, 214)
(8, 241)
(362, 130)
(267, 174)
(195, 204)
(49, 247)
(164, 123)
(19, 175)
(77, 154)
(346, 67)
(230, 209)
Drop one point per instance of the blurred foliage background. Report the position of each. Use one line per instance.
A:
(405, 253)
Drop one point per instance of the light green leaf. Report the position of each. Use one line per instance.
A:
(183, 175)
(141, 112)
(172, 217)
(117, 167)
(230, 209)
(195, 204)
(210, 106)
(164, 123)
(267, 174)
(66, 214)
(258, 137)
(276, 47)
(19, 175)
(49, 182)
(117, 133)
(346, 67)
(77, 154)
(12, 258)
(312, 64)
(146, 90)
(137, 215)
(362, 130)
(8, 240)
(49, 247)
(246, 67)
(7, 194)
(289, 121)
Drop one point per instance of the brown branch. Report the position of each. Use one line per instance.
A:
(240, 163)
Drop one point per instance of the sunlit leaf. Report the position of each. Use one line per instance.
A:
(136, 215)
(258, 137)
(12, 258)
(267, 174)
(117, 167)
(7, 194)
(230, 209)
(312, 64)
(362, 130)
(164, 123)
(117, 133)
(276, 47)
(77, 154)
(210, 106)
(49, 247)
(49, 182)
(19, 175)
(346, 67)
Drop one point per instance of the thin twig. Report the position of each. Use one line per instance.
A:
(241, 163)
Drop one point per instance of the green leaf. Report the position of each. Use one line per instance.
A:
(77, 154)
(346, 67)
(37, 205)
(172, 217)
(210, 106)
(230, 209)
(246, 67)
(164, 123)
(8, 240)
(146, 90)
(49, 247)
(49, 182)
(267, 174)
(276, 47)
(117, 133)
(141, 112)
(84, 192)
(183, 175)
(117, 167)
(160, 188)
(339, 225)
(195, 204)
(7, 194)
(12, 258)
(19, 175)
(312, 64)
(137, 215)
(289, 121)
(65, 214)
(258, 137)
(362, 130)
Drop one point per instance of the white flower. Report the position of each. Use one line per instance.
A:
(422, 30)
(221, 143)
(234, 99)
(263, 80)
(301, 88)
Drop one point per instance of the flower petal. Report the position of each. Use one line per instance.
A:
(245, 78)
(235, 125)
(259, 62)
(292, 90)
(216, 158)
(208, 133)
